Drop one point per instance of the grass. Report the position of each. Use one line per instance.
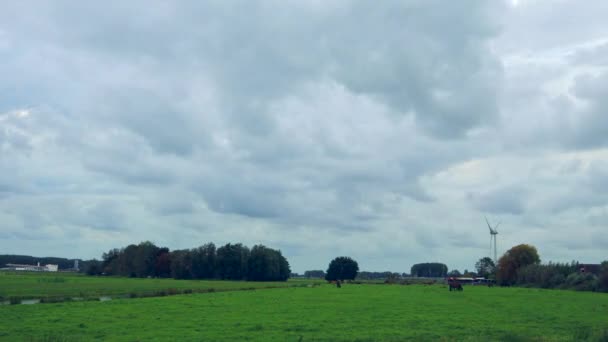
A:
(50, 287)
(325, 313)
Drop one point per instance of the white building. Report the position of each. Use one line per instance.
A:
(33, 268)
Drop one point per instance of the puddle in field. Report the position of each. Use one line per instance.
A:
(30, 301)
(105, 298)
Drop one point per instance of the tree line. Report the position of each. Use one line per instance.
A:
(230, 262)
(521, 266)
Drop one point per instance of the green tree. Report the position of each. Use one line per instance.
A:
(514, 259)
(232, 261)
(429, 269)
(162, 267)
(342, 268)
(603, 278)
(314, 274)
(204, 262)
(485, 267)
(181, 264)
(144, 260)
(267, 264)
(109, 263)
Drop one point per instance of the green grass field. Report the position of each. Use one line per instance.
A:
(58, 286)
(325, 313)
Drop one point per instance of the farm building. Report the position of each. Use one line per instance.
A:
(589, 268)
(33, 268)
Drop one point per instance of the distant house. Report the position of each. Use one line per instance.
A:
(32, 268)
(472, 280)
(589, 268)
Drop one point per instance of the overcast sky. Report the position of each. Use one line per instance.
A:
(384, 131)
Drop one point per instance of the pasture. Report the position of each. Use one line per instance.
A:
(325, 313)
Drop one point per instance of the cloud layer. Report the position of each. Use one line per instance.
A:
(385, 132)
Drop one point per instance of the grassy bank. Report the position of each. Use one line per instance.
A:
(59, 286)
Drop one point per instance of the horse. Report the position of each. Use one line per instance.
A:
(454, 285)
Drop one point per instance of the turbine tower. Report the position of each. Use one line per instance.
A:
(493, 233)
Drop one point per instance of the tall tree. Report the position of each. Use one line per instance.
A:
(267, 264)
(144, 260)
(429, 269)
(514, 259)
(232, 261)
(162, 268)
(181, 264)
(485, 267)
(204, 262)
(342, 268)
(109, 263)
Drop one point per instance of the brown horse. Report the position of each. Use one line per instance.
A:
(454, 285)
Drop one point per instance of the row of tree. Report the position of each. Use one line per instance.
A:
(521, 266)
(231, 261)
(314, 274)
(365, 275)
(429, 269)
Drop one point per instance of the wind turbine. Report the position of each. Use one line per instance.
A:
(493, 233)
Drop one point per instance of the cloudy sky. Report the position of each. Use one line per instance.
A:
(383, 131)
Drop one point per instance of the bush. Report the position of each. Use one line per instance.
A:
(548, 276)
(557, 280)
(581, 282)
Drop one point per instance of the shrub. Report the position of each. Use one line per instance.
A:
(582, 282)
(545, 276)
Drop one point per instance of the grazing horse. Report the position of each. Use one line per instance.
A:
(454, 284)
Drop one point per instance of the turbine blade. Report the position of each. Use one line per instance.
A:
(488, 222)
(496, 227)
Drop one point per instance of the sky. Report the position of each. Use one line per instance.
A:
(384, 131)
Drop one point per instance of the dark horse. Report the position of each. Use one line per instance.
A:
(454, 285)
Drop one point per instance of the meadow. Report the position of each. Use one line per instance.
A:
(15, 286)
(325, 313)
